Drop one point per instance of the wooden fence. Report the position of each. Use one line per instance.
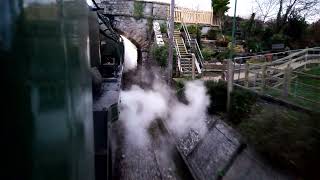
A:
(189, 16)
(281, 78)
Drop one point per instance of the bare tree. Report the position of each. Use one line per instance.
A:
(282, 9)
(266, 8)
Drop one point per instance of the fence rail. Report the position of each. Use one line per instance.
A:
(283, 77)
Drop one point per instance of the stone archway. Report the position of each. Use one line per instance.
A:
(138, 32)
(137, 28)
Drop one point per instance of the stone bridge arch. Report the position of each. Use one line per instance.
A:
(134, 20)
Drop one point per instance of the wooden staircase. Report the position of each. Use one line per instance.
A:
(184, 56)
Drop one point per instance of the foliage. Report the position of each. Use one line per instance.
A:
(194, 30)
(177, 26)
(247, 26)
(220, 7)
(138, 9)
(241, 104)
(217, 92)
(179, 84)
(278, 38)
(287, 138)
(160, 55)
(313, 34)
(212, 34)
(150, 24)
(223, 55)
(284, 9)
(296, 26)
(295, 30)
(241, 101)
(223, 41)
(207, 53)
(163, 28)
(254, 45)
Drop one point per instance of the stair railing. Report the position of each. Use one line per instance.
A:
(193, 44)
(179, 55)
(185, 29)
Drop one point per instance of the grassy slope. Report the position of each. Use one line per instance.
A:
(287, 138)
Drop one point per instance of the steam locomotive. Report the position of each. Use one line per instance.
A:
(60, 60)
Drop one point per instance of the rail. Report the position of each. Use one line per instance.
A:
(284, 78)
(179, 56)
(194, 46)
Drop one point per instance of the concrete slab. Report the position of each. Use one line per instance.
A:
(214, 153)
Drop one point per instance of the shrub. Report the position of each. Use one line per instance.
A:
(241, 105)
(192, 29)
(228, 38)
(286, 138)
(242, 101)
(212, 34)
(163, 28)
(207, 54)
(277, 38)
(160, 55)
(177, 26)
(217, 92)
(223, 55)
(138, 9)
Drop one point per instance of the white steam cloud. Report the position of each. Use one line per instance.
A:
(191, 116)
(130, 55)
(141, 107)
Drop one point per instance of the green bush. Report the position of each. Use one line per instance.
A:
(254, 45)
(192, 29)
(242, 101)
(138, 9)
(217, 92)
(228, 38)
(177, 26)
(223, 55)
(160, 54)
(207, 54)
(278, 38)
(288, 139)
(212, 34)
(241, 105)
(163, 28)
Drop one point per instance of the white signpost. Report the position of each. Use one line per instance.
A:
(158, 35)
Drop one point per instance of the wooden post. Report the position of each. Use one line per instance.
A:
(286, 83)
(239, 72)
(230, 84)
(255, 80)
(263, 80)
(193, 66)
(247, 75)
(305, 61)
(171, 43)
